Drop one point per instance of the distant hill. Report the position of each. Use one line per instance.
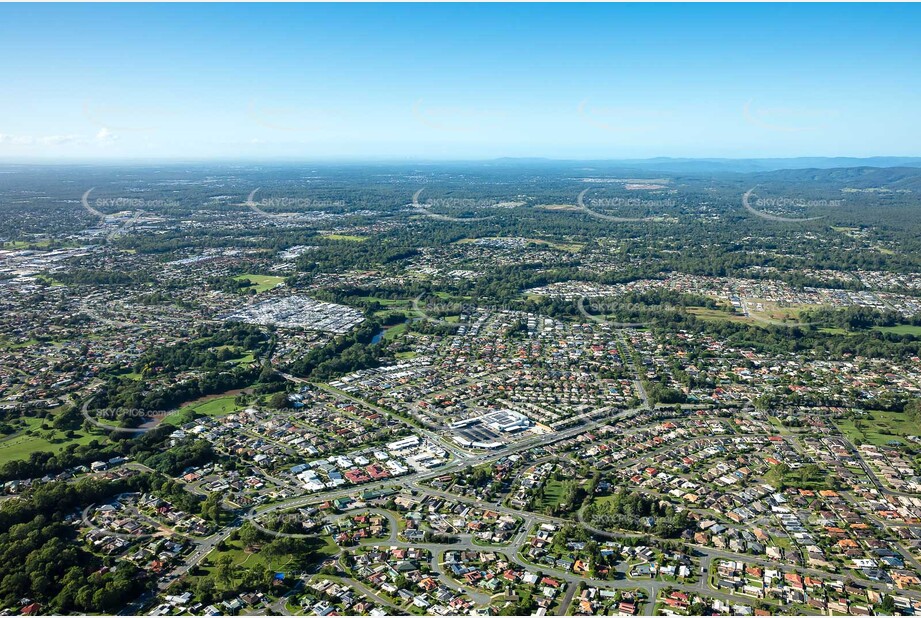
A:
(709, 166)
(892, 178)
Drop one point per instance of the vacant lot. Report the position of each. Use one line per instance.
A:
(879, 427)
(346, 237)
(261, 283)
(214, 406)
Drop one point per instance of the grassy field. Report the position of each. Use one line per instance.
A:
(33, 244)
(33, 439)
(395, 331)
(553, 495)
(47, 280)
(557, 207)
(387, 302)
(6, 344)
(775, 422)
(771, 314)
(716, 315)
(782, 542)
(901, 329)
(127, 373)
(322, 548)
(261, 283)
(216, 406)
(243, 357)
(345, 237)
(879, 428)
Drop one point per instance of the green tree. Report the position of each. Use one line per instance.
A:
(226, 571)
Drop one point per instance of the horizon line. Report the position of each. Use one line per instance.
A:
(370, 159)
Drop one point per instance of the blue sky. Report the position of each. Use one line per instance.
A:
(458, 81)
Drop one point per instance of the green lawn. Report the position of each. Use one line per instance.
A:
(553, 494)
(49, 280)
(782, 541)
(834, 331)
(321, 549)
(879, 427)
(715, 314)
(261, 283)
(217, 406)
(128, 374)
(386, 302)
(386, 315)
(242, 558)
(346, 237)
(34, 244)
(243, 356)
(33, 439)
(775, 422)
(394, 331)
(243, 360)
(901, 329)
(6, 344)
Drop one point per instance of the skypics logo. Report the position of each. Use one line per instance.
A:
(784, 203)
(450, 202)
(122, 203)
(86, 204)
(120, 225)
(287, 203)
(100, 415)
(620, 202)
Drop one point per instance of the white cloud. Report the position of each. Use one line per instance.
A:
(16, 140)
(58, 140)
(103, 137)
